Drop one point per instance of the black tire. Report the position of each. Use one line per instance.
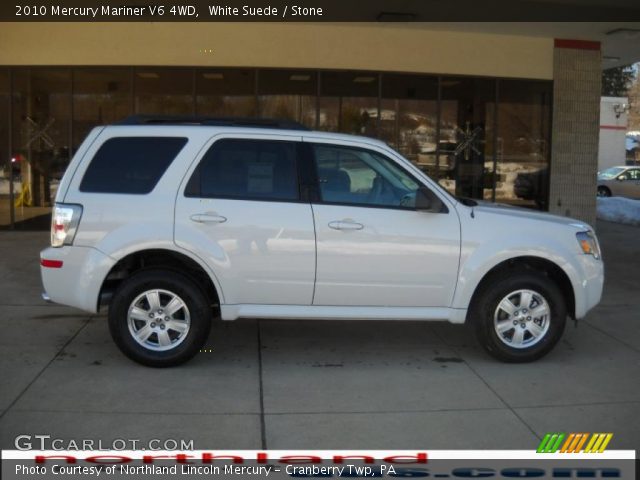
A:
(604, 192)
(197, 307)
(485, 306)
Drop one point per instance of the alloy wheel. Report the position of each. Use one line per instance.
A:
(158, 320)
(522, 318)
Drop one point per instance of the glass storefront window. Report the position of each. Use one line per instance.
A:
(349, 102)
(288, 94)
(523, 153)
(465, 147)
(163, 91)
(479, 137)
(409, 118)
(226, 93)
(6, 164)
(100, 96)
(41, 139)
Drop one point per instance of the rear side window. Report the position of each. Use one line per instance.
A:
(130, 164)
(247, 169)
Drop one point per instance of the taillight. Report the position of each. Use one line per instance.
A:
(64, 224)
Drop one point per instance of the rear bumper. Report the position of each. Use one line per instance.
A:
(78, 280)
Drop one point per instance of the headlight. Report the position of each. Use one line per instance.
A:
(588, 243)
(64, 223)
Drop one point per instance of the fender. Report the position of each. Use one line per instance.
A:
(479, 259)
(126, 241)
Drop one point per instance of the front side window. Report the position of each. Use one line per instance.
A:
(130, 165)
(633, 174)
(247, 169)
(357, 176)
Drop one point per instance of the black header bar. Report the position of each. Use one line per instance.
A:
(320, 11)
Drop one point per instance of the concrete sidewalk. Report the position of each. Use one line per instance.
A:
(347, 385)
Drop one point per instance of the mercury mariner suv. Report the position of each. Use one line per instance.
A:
(172, 223)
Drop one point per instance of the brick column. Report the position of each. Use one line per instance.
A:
(577, 77)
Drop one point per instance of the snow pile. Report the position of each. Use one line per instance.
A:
(619, 209)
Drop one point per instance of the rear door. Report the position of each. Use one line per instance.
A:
(239, 208)
(374, 247)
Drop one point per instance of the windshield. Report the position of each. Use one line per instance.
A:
(610, 173)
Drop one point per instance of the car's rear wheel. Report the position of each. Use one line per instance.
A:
(519, 317)
(604, 192)
(159, 318)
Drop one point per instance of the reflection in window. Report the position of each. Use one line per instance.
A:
(6, 165)
(447, 126)
(349, 102)
(288, 95)
(226, 93)
(163, 91)
(408, 118)
(100, 96)
(41, 136)
(522, 175)
(465, 147)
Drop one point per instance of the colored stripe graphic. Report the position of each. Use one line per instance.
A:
(574, 442)
(550, 443)
(598, 443)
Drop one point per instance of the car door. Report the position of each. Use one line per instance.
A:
(631, 186)
(374, 248)
(239, 209)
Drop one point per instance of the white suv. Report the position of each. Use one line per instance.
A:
(174, 222)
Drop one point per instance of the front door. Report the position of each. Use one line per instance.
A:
(373, 247)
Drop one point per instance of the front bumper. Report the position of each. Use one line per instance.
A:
(77, 282)
(588, 292)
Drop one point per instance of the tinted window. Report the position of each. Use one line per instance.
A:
(249, 169)
(130, 164)
(355, 176)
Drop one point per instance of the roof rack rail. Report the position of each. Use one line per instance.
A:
(211, 121)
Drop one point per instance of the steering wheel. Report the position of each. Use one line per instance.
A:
(408, 200)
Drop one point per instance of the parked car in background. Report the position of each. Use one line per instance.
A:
(533, 186)
(620, 181)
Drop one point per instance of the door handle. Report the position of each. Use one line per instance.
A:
(208, 218)
(345, 225)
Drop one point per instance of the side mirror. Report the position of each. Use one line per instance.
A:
(427, 201)
(621, 178)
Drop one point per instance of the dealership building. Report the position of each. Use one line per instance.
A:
(506, 112)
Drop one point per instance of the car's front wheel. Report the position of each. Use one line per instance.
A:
(604, 192)
(159, 318)
(519, 317)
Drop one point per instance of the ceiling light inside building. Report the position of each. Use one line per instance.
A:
(363, 79)
(213, 76)
(148, 75)
(300, 78)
